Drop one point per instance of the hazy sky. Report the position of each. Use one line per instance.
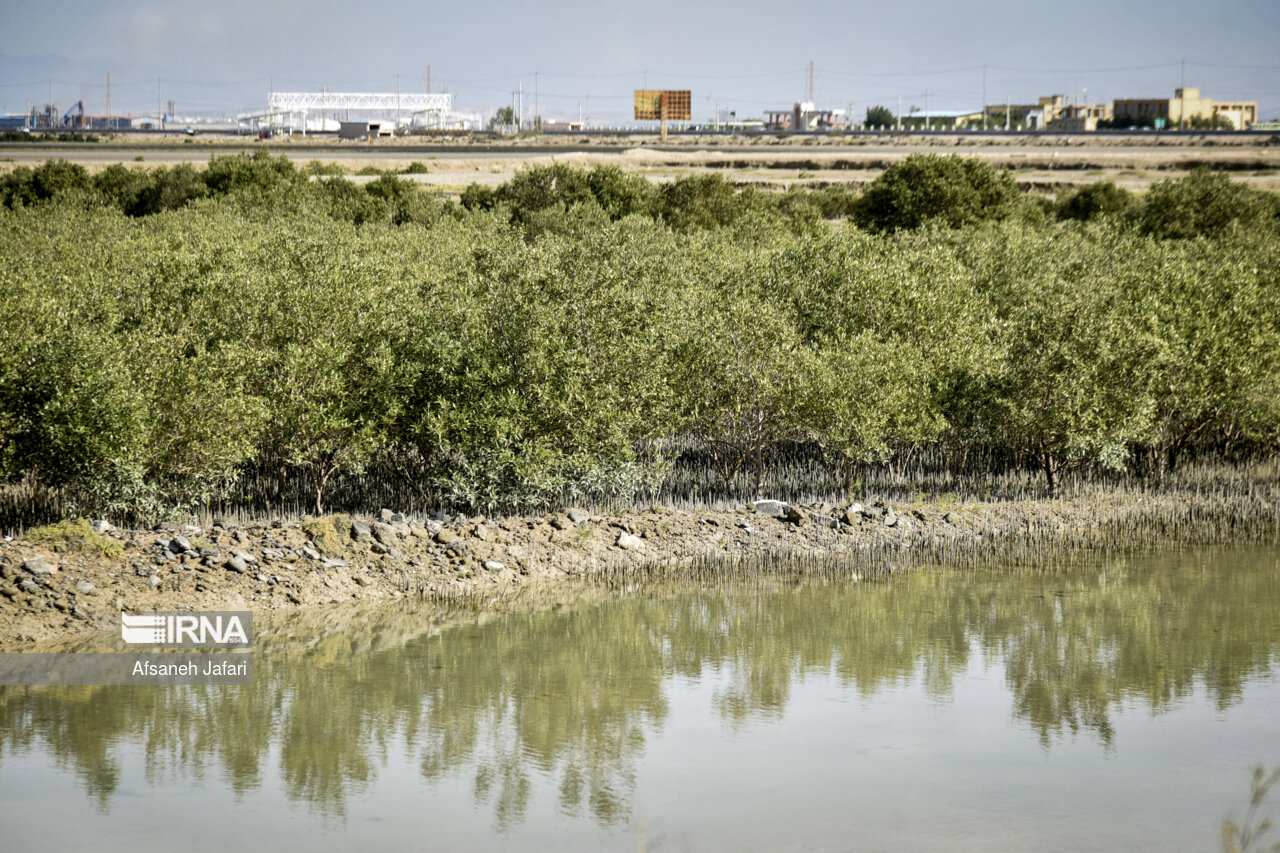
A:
(749, 55)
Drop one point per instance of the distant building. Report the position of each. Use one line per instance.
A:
(803, 116)
(365, 129)
(1186, 106)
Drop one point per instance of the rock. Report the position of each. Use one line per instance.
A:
(481, 532)
(86, 588)
(101, 526)
(747, 527)
(577, 516)
(9, 590)
(890, 519)
(237, 564)
(293, 597)
(791, 515)
(948, 518)
(245, 555)
(28, 586)
(824, 520)
(360, 580)
(386, 515)
(773, 509)
(271, 554)
(419, 532)
(360, 532)
(873, 512)
(561, 523)
(628, 542)
(852, 517)
(310, 553)
(378, 548)
(38, 566)
(384, 533)
(494, 566)
(336, 564)
(180, 545)
(153, 581)
(919, 516)
(261, 578)
(446, 537)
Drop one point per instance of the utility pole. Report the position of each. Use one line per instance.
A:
(1182, 93)
(810, 98)
(520, 118)
(899, 112)
(397, 130)
(581, 126)
(324, 102)
(110, 123)
(537, 114)
(428, 79)
(1008, 109)
(984, 96)
(926, 110)
(159, 109)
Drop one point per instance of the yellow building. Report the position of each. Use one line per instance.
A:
(1185, 106)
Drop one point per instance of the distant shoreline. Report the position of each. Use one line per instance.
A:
(60, 592)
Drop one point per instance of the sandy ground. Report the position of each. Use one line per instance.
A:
(1043, 163)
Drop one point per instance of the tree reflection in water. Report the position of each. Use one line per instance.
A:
(564, 696)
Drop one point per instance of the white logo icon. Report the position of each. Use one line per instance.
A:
(225, 628)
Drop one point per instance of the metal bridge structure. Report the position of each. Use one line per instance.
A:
(432, 110)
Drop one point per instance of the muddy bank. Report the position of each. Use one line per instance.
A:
(70, 582)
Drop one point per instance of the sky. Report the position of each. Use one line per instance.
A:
(224, 56)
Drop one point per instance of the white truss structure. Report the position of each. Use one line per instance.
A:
(405, 102)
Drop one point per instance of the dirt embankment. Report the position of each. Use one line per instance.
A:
(71, 580)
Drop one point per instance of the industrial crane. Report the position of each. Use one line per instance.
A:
(78, 109)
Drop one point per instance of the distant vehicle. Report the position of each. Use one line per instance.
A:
(265, 134)
(190, 131)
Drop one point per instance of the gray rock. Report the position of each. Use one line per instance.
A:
(577, 516)
(494, 566)
(419, 532)
(162, 544)
(310, 553)
(237, 564)
(360, 580)
(336, 564)
(246, 556)
(561, 523)
(446, 537)
(773, 509)
(378, 548)
(271, 554)
(153, 581)
(890, 519)
(28, 586)
(360, 532)
(261, 578)
(101, 525)
(851, 517)
(398, 518)
(384, 533)
(386, 515)
(873, 512)
(628, 542)
(792, 515)
(180, 545)
(747, 527)
(38, 566)
(8, 590)
(86, 588)
(824, 520)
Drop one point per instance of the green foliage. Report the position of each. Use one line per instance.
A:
(163, 345)
(75, 535)
(955, 191)
(879, 116)
(1093, 201)
(1203, 203)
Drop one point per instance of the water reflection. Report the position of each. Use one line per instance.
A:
(564, 696)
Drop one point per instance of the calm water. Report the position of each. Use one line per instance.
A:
(1116, 707)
